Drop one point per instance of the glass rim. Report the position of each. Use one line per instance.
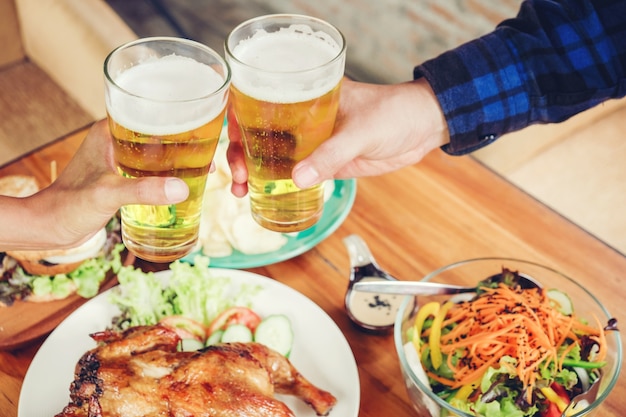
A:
(303, 18)
(406, 368)
(200, 46)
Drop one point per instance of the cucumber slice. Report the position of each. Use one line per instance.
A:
(276, 333)
(561, 301)
(236, 333)
(189, 345)
(214, 338)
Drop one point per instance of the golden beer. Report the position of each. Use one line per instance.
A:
(276, 137)
(166, 113)
(285, 94)
(187, 155)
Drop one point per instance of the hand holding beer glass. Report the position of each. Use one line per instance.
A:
(165, 99)
(286, 77)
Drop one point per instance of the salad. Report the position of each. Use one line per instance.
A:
(508, 351)
(201, 307)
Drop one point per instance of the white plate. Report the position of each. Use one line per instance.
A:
(320, 352)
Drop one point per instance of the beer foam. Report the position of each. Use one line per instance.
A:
(292, 62)
(166, 95)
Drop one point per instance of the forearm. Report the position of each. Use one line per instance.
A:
(548, 64)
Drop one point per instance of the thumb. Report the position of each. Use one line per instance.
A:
(328, 159)
(152, 190)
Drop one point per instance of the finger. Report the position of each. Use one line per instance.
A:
(235, 156)
(150, 190)
(234, 134)
(99, 136)
(239, 190)
(237, 163)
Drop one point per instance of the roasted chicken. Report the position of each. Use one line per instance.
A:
(139, 372)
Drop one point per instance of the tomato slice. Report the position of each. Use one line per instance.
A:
(551, 411)
(235, 315)
(560, 391)
(185, 327)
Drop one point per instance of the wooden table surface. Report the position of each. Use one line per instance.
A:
(442, 210)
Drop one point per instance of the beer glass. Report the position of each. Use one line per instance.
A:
(286, 77)
(165, 100)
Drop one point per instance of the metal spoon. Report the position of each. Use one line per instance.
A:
(374, 296)
(373, 312)
(434, 288)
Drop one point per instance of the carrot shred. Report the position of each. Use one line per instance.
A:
(506, 321)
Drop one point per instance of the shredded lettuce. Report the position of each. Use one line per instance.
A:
(193, 291)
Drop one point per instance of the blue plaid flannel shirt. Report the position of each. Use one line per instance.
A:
(555, 59)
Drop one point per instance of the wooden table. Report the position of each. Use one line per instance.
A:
(425, 216)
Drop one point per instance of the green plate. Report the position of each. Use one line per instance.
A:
(336, 209)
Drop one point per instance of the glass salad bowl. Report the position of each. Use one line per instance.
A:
(491, 366)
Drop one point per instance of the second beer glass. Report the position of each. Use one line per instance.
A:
(286, 77)
(165, 99)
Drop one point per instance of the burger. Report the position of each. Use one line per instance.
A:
(47, 275)
(59, 261)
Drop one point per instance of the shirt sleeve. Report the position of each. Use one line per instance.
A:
(554, 60)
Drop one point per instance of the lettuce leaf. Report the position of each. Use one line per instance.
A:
(93, 272)
(501, 389)
(505, 407)
(140, 297)
(199, 294)
(86, 279)
(59, 286)
(192, 291)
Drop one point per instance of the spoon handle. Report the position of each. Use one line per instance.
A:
(362, 262)
(360, 254)
(409, 288)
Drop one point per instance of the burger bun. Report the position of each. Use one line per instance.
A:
(60, 261)
(18, 185)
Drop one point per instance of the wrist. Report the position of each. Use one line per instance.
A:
(39, 225)
(432, 122)
(19, 224)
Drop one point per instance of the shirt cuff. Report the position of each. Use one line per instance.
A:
(480, 90)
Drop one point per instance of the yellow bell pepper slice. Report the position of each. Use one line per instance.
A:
(553, 397)
(429, 309)
(464, 392)
(434, 339)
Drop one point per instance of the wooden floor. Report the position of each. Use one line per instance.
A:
(576, 168)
